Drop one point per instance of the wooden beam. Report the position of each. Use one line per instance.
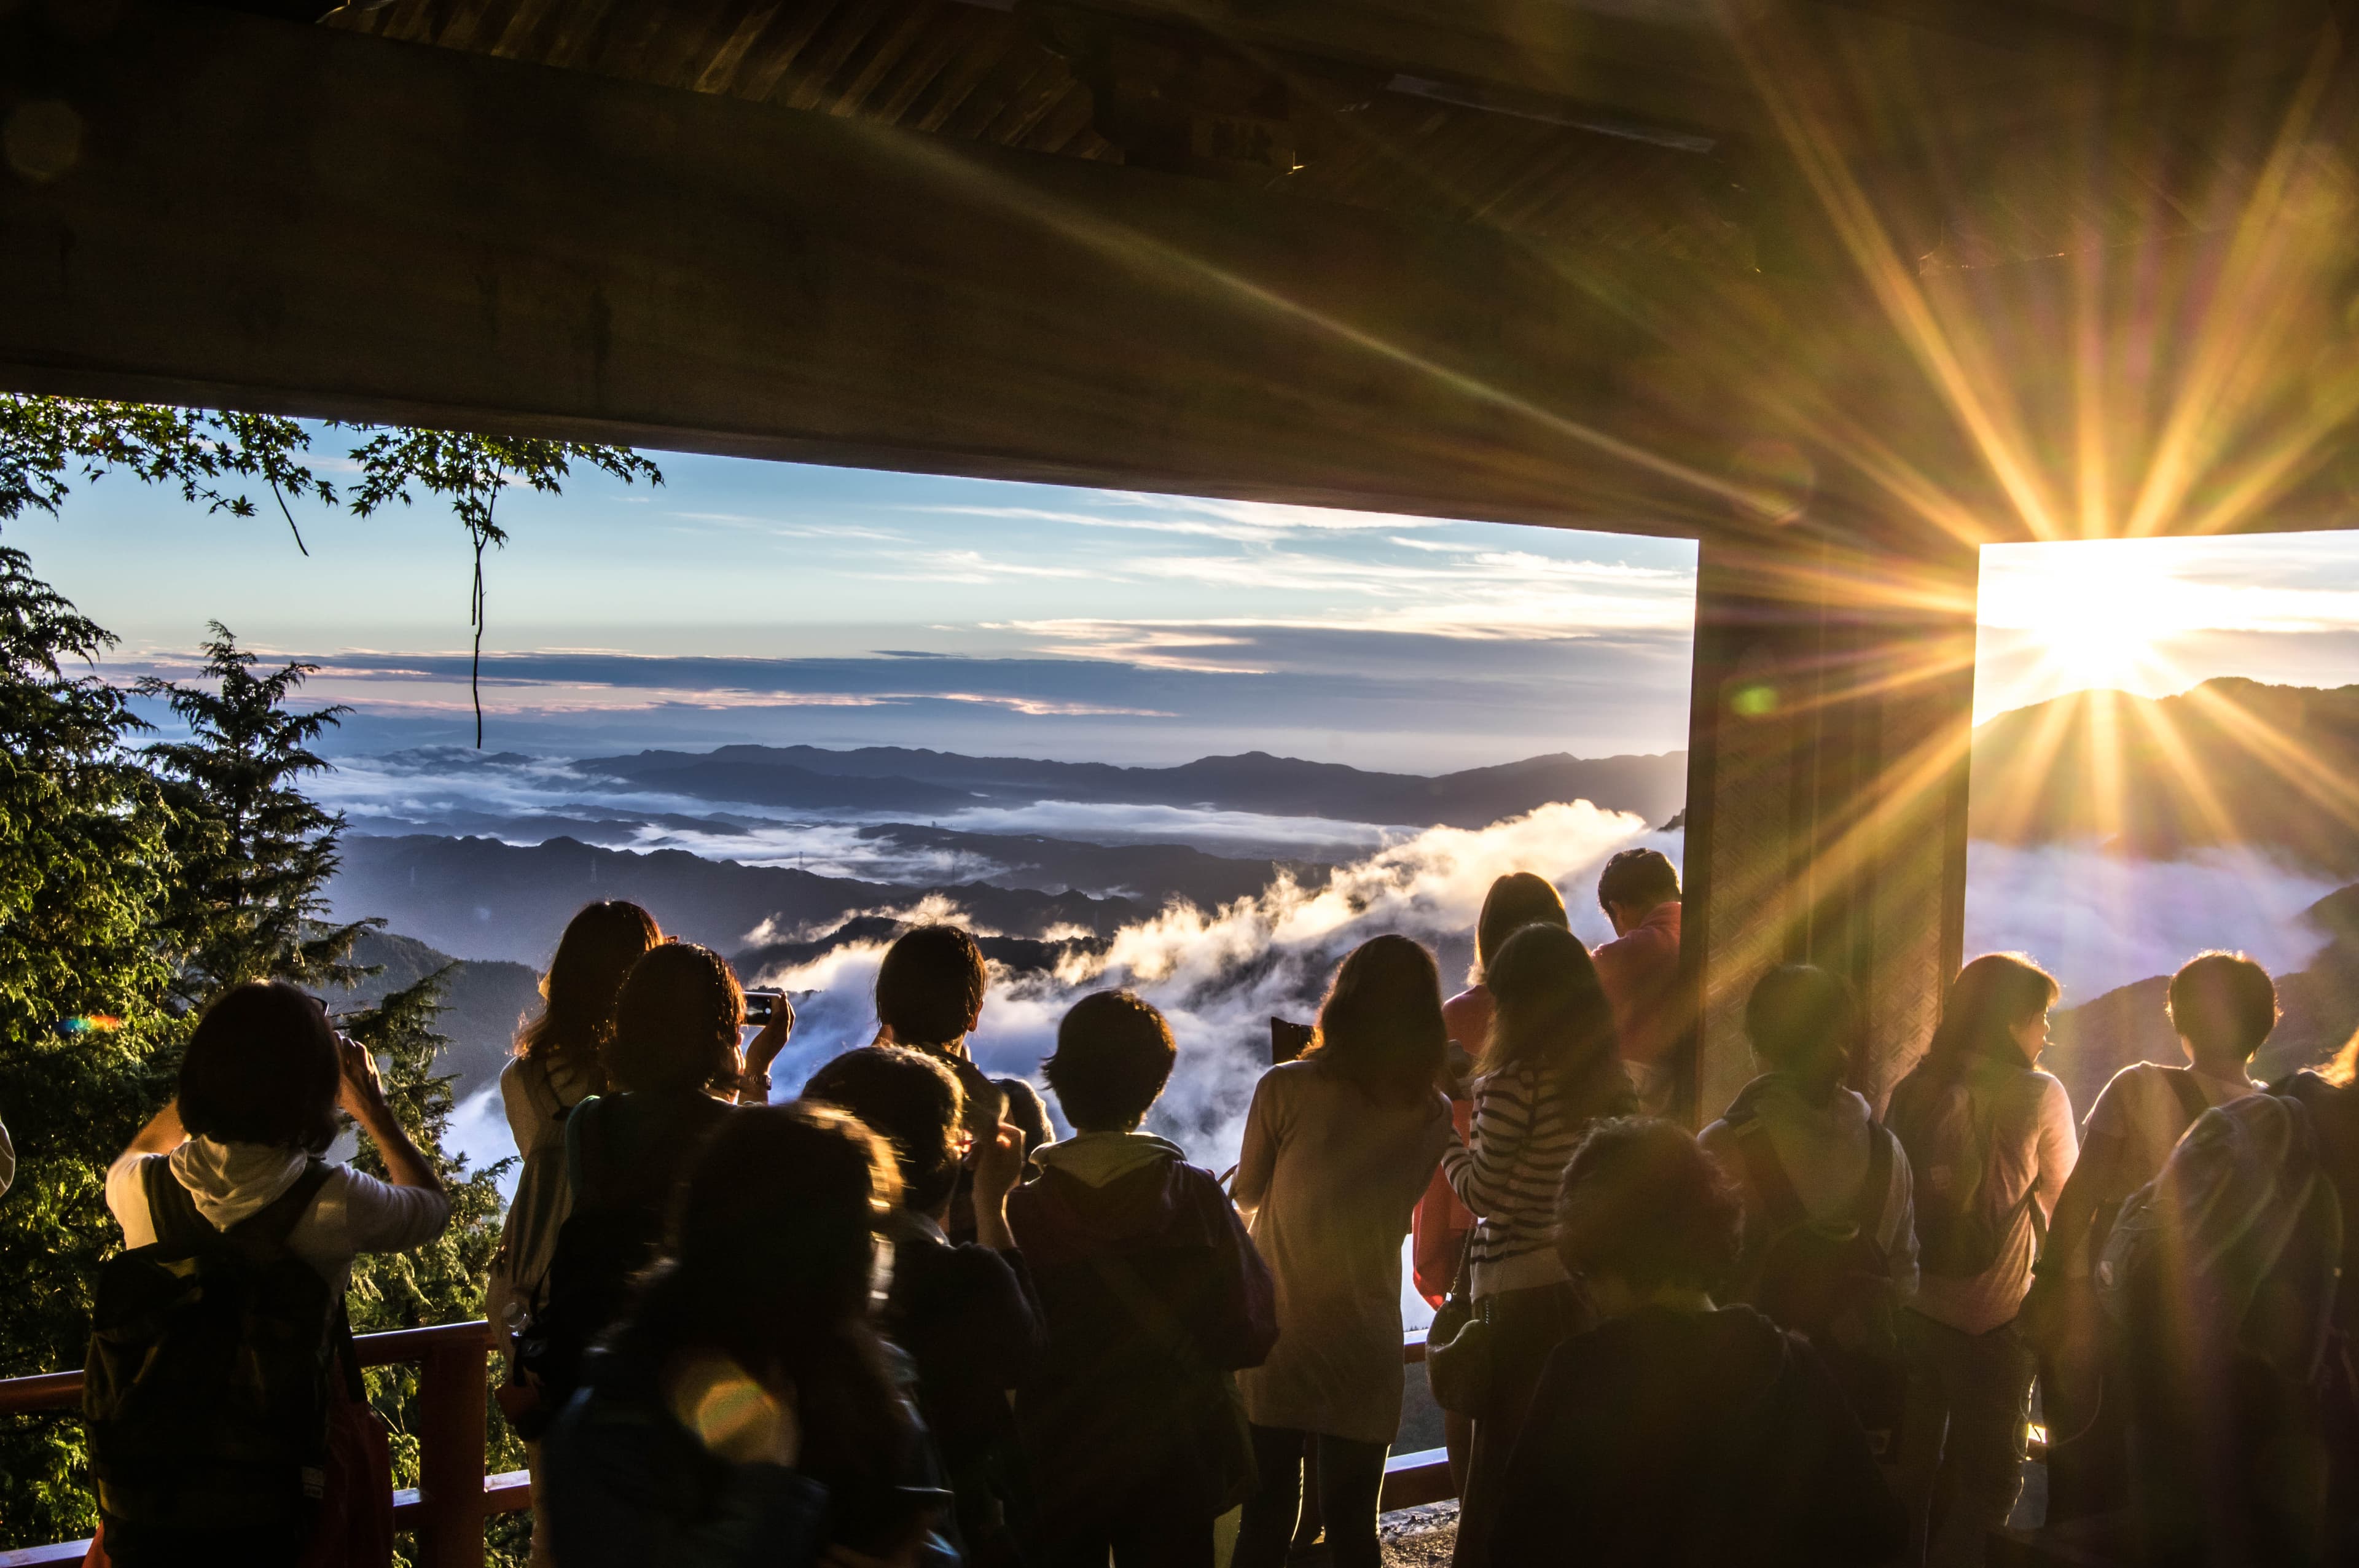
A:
(271, 216)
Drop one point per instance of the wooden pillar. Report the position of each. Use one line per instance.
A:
(1830, 726)
(450, 1446)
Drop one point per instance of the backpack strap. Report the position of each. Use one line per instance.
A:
(173, 1214)
(1766, 1174)
(2192, 1101)
(1867, 1211)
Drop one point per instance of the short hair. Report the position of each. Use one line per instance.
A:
(1643, 877)
(676, 1021)
(911, 1101)
(1804, 1021)
(1640, 1201)
(1380, 1026)
(2239, 993)
(1113, 1055)
(262, 1068)
(1516, 900)
(931, 985)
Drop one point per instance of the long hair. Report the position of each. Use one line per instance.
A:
(1380, 1027)
(1516, 900)
(770, 1259)
(578, 994)
(1552, 1017)
(1804, 1023)
(1991, 995)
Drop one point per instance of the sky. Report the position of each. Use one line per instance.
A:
(782, 602)
(767, 601)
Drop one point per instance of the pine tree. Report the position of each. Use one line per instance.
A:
(441, 1281)
(254, 852)
(85, 1047)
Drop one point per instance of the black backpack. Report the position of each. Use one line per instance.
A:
(606, 1242)
(205, 1390)
(1830, 1282)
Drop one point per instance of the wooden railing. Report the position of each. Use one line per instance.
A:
(453, 1497)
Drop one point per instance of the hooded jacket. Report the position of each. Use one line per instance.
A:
(1117, 1403)
(1668, 1438)
(1823, 1151)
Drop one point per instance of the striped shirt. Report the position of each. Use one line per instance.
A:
(1523, 1134)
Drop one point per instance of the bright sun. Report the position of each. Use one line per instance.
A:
(2097, 614)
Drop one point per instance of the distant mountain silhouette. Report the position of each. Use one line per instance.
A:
(483, 1002)
(2093, 1042)
(484, 899)
(896, 778)
(2272, 766)
(1150, 873)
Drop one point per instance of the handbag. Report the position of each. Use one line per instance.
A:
(1458, 1344)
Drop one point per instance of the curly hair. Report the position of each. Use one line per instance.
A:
(676, 1021)
(1641, 1202)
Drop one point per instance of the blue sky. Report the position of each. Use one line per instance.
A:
(751, 601)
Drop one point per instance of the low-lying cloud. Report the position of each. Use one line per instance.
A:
(1220, 975)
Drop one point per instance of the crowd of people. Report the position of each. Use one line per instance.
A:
(896, 1320)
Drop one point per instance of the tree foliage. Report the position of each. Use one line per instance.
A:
(85, 1045)
(47, 442)
(136, 881)
(470, 472)
(253, 852)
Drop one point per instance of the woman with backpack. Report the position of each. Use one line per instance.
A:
(1337, 1147)
(1990, 1141)
(554, 1069)
(1551, 1067)
(1830, 1228)
(240, 1241)
(748, 1411)
(675, 1073)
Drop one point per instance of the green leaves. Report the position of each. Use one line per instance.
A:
(47, 442)
(470, 472)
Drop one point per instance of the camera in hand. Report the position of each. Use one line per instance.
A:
(761, 1007)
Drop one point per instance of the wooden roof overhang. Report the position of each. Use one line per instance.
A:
(1915, 272)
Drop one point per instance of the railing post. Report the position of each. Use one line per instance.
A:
(450, 1455)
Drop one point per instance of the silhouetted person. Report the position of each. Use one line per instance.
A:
(2223, 1006)
(929, 995)
(236, 1161)
(1829, 1224)
(1442, 1224)
(965, 1312)
(555, 1066)
(1676, 1432)
(1550, 1068)
(1989, 1139)
(747, 1411)
(1337, 1147)
(676, 1072)
(1639, 892)
(1155, 1297)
